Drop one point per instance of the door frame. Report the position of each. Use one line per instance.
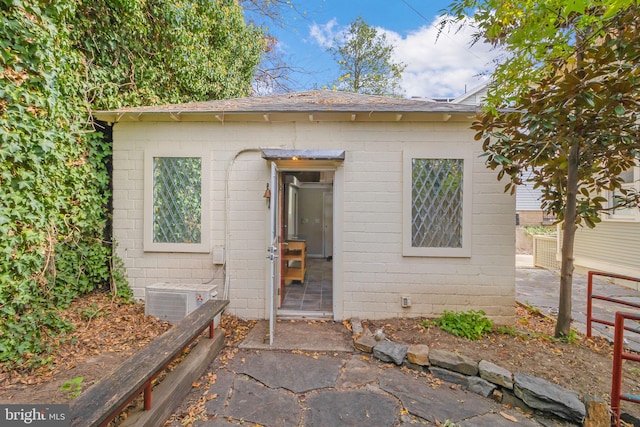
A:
(274, 248)
(327, 238)
(338, 178)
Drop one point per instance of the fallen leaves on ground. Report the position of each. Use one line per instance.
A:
(235, 330)
(101, 325)
(508, 417)
(104, 327)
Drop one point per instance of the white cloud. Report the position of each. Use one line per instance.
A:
(444, 65)
(437, 66)
(324, 35)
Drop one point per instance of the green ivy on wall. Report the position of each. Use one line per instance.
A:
(60, 59)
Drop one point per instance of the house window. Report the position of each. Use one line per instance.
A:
(175, 218)
(177, 199)
(631, 180)
(437, 207)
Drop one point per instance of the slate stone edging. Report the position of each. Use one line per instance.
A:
(487, 379)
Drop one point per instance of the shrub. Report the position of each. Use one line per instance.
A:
(539, 230)
(471, 324)
(59, 60)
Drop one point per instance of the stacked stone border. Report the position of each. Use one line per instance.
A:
(483, 377)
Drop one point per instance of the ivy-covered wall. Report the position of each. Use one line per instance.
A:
(59, 60)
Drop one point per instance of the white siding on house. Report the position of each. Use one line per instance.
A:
(527, 198)
(612, 247)
(474, 96)
(371, 273)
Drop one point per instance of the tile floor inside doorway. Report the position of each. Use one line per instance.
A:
(316, 293)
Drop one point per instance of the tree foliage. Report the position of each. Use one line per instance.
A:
(593, 104)
(274, 73)
(563, 106)
(366, 63)
(165, 51)
(59, 59)
(533, 36)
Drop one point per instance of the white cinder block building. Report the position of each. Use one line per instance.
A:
(319, 203)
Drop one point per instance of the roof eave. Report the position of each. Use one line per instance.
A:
(438, 115)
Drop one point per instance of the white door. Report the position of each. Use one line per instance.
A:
(327, 224)
(274, 252)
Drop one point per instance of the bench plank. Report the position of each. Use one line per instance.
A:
(174, 388)
(97, 403)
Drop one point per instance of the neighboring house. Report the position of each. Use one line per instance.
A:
(528, 204)
(473, 96)
(612, 246)
(388, 199)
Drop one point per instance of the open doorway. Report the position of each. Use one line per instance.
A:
(307, 253)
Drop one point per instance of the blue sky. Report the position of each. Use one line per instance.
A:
(445, 68)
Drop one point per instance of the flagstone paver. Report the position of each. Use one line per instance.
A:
(357, 373)
(295, 372)
(423, 400)
(257, 403)
(273, 388)
(351, 408)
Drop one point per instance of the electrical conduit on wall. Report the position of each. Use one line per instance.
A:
(227, 219)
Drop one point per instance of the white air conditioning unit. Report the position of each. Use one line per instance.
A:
(172, 302)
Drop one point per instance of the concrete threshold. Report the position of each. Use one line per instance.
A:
(304, 315)
(303, 335)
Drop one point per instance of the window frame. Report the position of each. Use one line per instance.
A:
(634, 216)
(148, 244)
(449, 152)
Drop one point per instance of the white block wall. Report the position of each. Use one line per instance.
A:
(371, 273)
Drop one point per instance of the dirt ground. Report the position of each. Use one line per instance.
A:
(107, 333)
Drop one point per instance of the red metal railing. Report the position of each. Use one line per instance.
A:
(591, 296)
(618, 356)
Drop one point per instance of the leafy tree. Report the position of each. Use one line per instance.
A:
(60, 59)
(161, 51)
(563, 105)
(365, 61)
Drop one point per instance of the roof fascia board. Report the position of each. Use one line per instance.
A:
(289, 116)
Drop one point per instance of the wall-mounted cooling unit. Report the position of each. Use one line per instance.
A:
(172, 302)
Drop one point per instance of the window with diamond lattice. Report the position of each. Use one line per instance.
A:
(436, 203)
(177, 199)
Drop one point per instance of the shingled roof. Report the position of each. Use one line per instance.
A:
(321, 104)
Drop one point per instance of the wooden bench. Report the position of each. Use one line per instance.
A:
(103, 401)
